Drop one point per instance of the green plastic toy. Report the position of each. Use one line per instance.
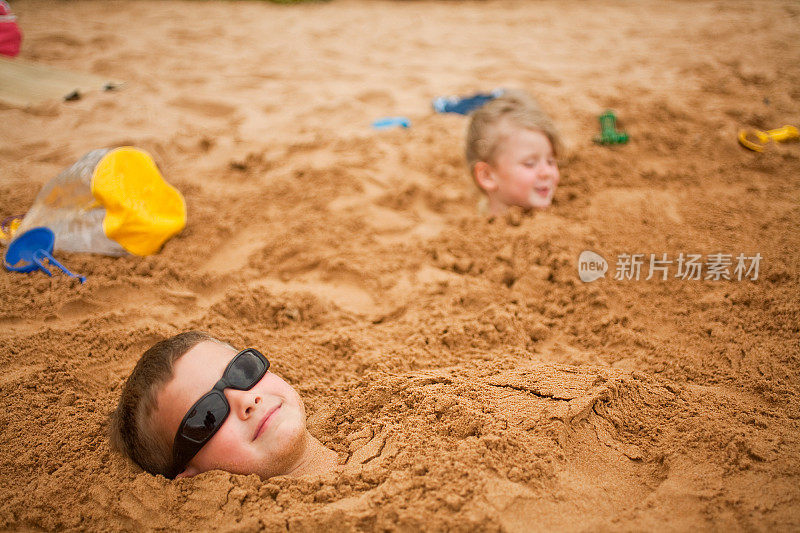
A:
(608, 130)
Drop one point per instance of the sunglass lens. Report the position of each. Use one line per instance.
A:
(245, 370)
(205, 417)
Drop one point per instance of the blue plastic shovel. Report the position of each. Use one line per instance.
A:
(391, 122)
(27, 253)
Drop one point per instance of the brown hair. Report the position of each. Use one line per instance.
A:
(485, 132)
(132, 431)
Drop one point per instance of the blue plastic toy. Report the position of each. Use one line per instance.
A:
(391, 122)
(28, 251)
(464, 105)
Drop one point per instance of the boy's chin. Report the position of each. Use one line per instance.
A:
(535, 201)
(288, 435)
(283, 449)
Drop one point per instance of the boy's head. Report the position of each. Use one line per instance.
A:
(263, 432)
(511, 152)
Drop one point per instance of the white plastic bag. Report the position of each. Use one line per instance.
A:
(66, 206)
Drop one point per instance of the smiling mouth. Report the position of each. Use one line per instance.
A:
(265, 421)
(544, 192)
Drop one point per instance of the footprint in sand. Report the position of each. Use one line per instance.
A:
(207, 108)
(378, 98)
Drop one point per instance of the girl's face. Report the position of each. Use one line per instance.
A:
(264, 432)
(524, 169)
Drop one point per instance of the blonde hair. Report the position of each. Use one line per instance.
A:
(132, 429)
(517, 108)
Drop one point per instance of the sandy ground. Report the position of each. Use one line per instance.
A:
(465, 375)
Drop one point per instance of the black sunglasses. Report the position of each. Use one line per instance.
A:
(208, 413)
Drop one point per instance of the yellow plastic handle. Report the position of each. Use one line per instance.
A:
(785, 133)
(761, 138)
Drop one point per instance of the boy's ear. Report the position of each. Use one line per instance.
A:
(484, 177)
(189, 471)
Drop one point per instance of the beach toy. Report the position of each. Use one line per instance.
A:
(10, 36)
(391, 122)
(608, 130)
(9, 227)
(27, 253)
(761, 138)
(112, 202)
(463, 105)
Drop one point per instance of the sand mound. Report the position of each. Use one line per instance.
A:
(464, 374)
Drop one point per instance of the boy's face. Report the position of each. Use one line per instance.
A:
(264, 431)
(523, 172)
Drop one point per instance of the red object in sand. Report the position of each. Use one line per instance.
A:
(10, 36)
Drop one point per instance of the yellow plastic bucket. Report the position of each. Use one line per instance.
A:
(142, 210)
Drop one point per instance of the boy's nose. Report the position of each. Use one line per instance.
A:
(243, 403)
(545, 171)
(543, 168)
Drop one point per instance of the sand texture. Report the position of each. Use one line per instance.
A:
(467, 378)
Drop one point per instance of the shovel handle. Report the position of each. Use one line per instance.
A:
(756, 139)
(40, 263)
(52, 260)
(785, 133)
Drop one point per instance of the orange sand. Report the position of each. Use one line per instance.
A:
(465, 375)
